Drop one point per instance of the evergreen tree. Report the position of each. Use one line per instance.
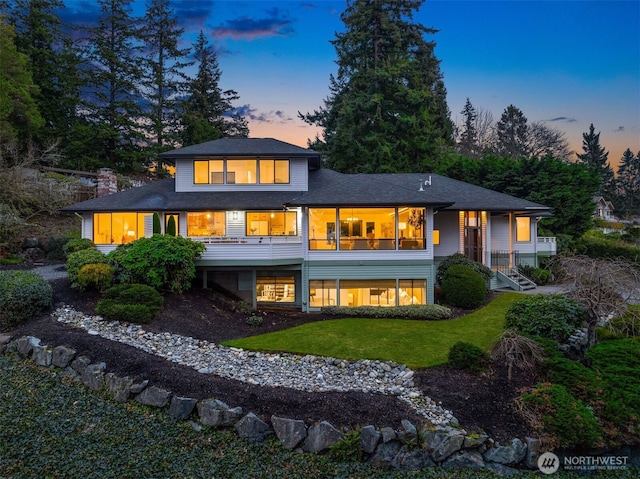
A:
(468, 141)
(386, 111)
(512, 134)
(628, 183)
(20, 118)
(113, 77)
(595, 156)
(164, 63)
(42, 37)
(206, 105)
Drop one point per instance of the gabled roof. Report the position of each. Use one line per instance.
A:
(241, 147)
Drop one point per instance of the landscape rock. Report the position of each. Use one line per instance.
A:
(154, 396)
(320, 437)
(252, 428)
(290, 432)
(25, 344)
(384, 454)
(119, 387)
(181, 407)
(80, 364)
(533, 453)
(62, 356)
(412, 459)
(409, 433)
(464, 459)
(71, 374)
(369, 439)
(137, 388)
(507, 455)
(93, 376)
(448, 444)
(213, 412)
(42, 355)
(4, 341)
(388, 434)
(474, 441)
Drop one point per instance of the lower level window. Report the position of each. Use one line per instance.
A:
(280, 289)
(367, 292)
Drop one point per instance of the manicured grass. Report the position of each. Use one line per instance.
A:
(418, 344)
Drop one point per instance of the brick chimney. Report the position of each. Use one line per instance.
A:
(107, 182)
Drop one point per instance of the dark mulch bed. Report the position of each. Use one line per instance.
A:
(480, 402)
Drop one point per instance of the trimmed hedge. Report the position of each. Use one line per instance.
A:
(23, 295)
(132, 303)
(77, 244)
(468, 356)
(429, 312)
(460, 259)
(463, 287)
(95, 276)
(551, 316)
(76, 260)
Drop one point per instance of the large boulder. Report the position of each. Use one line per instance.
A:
(321, 436)
(62, 356)
(506, 455)
(216, 413)
(181, 407)
(290, 432)
(252, 428)
(154, 396)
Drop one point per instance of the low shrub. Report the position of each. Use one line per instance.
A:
(255, 320)
(468, 356)
(95, 276)
(539, 276)
(557, 413)
(463, 287)
(23, 295)
(428, 312)
(162, 261)
(460, 259)
(348, 449)
(78, 259)
(11, 260)
(77, 244)
(547, 315)
(133, 303)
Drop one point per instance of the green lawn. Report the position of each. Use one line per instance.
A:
(418, 344)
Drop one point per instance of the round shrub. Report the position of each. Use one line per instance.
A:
(460, 259)
(162, 261)
(551, 316)
(463, 287)
(78, 259)
(468, 356)
(23, 295)
(133, 303)
(95, 276)
(77, 244)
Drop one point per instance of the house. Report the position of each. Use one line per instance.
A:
(603, 209)
(281, 230)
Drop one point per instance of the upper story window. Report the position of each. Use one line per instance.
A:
(272, 223)
(241, 172)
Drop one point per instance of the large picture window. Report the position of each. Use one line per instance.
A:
(118, 228)
(276, 289)
(206, 223)
(272, 223)
(274, 171)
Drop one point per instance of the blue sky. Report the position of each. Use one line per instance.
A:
(569, 63)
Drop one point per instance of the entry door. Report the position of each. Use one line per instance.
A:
(473, 243)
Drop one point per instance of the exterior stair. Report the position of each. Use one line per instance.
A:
(515, 280)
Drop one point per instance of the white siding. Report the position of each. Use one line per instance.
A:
(447, 223)
(298, 179)
(500, 233)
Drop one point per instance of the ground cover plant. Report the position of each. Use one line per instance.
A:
(418, 344)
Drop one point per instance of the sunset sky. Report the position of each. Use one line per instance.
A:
(568, 63)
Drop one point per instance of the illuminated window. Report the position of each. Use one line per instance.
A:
(436, 237)
(241, 172)
(208, 172)
(272, 223)
(412, 291)
(206, 223)
(322, 228)
(276, 289)
(118, 228)
(322, 293)
(274, 171)
(523, 228)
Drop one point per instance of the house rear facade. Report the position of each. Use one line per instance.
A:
(281, 230)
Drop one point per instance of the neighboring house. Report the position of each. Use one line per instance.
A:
(603, 209)
(282, 230)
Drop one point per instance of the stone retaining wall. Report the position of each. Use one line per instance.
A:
(406, 448)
